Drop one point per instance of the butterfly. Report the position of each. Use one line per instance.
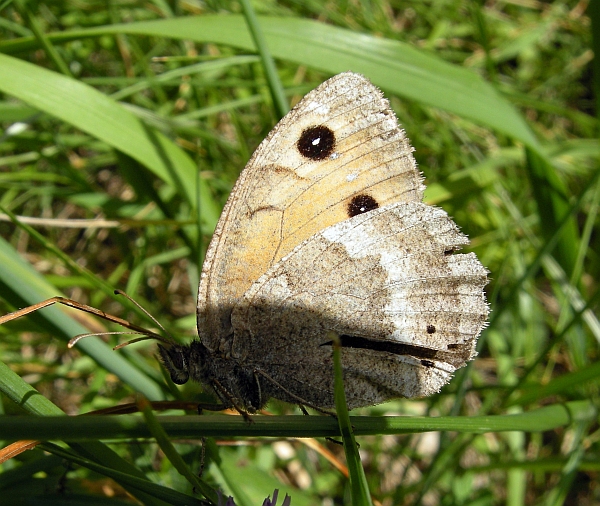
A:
(325, 231)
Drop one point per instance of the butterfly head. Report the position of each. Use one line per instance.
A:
(176, 360)
(234, 384)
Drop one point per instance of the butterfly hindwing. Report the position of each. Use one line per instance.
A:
(388, 283)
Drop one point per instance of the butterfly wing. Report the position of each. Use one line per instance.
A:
(408, 310)
(339, 152)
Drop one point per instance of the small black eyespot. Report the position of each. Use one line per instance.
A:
(316, 143)
(427, 363)
(361, 204)
(430, 329)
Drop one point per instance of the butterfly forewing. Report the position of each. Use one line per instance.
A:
(339, 144)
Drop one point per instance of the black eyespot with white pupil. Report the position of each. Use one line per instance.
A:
(361, 204)
(431, 329)
(316, 142)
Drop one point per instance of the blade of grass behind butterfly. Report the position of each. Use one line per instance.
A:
(108, 290)
(562, 287)
(174, 76)
(139, 487)
(277, 93)
(89, 110)
(557, 495)
(136, 175)
(522, 385)
(543, 250)
(35, 26)
(120, 129)
(447, 457)
(32, 401)
(69, 262)
(21, 285)
(566, 384)
(551, 196)
(396, 66)
(358, 481)
(594, 13)
(171, 453)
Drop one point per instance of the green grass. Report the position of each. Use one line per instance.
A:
(144, 116)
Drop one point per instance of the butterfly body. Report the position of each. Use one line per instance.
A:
(325, 232)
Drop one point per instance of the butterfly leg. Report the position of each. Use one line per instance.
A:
(300, 400)
(228, 399)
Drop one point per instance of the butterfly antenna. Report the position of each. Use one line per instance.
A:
(120, 292)
(73, 341)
